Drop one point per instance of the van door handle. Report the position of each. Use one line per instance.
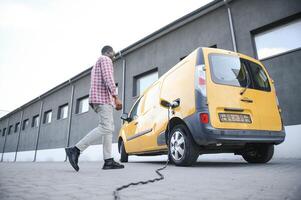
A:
(247, 100)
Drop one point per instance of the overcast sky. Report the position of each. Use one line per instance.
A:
(44, 43)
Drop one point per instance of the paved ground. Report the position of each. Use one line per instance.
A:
(208, 179)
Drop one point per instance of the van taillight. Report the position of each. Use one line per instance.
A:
(200, 79)
(204, 118)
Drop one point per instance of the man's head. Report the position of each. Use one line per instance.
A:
(108, 51)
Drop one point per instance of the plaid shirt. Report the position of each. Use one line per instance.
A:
(102, 82)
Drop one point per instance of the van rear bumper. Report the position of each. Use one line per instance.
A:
(205, 134)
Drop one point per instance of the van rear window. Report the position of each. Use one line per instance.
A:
(232, 70)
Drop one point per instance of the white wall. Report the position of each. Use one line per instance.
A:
(290, 148)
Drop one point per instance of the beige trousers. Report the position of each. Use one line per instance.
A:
(104, 130)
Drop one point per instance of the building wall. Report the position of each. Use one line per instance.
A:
(28, 137)
(3, 124)
(12, 138)
(54, 134)
(286, 70)
(249, 16)
(163, 53)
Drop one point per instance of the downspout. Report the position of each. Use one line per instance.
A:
(231, 26)
(39, 128)
(123, 84)
(7, 129)
(70, 116)
(19, 135)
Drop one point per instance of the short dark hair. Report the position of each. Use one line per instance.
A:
(106, 49)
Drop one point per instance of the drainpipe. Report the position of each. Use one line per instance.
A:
(19, 133)
(6, 133)
(123, 84)
(39, 128)
(70, 116)
(231, 26)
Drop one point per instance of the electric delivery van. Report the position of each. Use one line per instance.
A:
(213, 101)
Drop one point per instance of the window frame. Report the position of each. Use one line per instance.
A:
(33, 121)
(135, 106)
(248, 72)
(271, 27)
(59, 113)
(24, 126)
(78, 104)
(4, 132)
(139, 76)
(10, 129)
(46, 113)
(17, 127)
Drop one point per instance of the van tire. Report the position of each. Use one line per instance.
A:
(191, 152)
(258, 153)
(123, 155)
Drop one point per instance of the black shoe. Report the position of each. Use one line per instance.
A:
(111, 164)
(73, 154)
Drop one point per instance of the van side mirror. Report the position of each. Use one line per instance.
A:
(125, 117)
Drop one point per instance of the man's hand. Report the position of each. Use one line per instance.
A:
(117, 103)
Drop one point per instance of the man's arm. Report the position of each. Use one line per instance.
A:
(107, 71)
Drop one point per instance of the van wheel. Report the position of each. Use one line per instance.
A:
(182, 149)
(123, 155)
(258, 153)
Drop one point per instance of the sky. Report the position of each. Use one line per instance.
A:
(44, 43)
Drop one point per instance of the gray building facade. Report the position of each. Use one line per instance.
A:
(60, 117)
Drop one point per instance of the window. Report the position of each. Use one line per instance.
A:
(232, 70)
(17, 127)
(35, 121)
(152, 98)
(3, 132)
(10, 129)
(259, 78)
(82, 105)
(135, 110)
(278, 40)
(25, 124)
(143, 81)
(47, 117)
(62, 112)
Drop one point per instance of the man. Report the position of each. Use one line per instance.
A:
(102, 98)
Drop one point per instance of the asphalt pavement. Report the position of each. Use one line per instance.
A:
(210, 178)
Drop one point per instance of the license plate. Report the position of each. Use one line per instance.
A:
(231, 117)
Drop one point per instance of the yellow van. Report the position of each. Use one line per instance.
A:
(221, 102)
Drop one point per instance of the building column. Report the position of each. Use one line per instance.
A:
(38, 132)
(19, 133)
(70, 116)
(6, 133)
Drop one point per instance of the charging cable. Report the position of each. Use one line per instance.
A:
(161, 177)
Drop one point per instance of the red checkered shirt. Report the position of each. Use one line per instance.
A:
(102, 82)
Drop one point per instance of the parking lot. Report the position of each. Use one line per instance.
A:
(213, 177)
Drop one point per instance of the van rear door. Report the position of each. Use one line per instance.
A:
(235, 100)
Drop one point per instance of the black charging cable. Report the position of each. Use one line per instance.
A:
(161, 176)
